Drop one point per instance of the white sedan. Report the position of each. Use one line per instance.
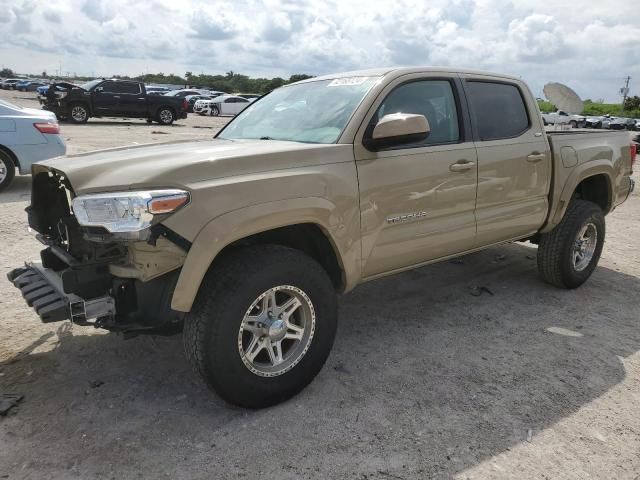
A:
(27, 135)
(224, 105)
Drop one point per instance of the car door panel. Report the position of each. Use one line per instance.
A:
(417, 203)
(514, 163)
(414, 208)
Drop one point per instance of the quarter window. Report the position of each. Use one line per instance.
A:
(498, 110)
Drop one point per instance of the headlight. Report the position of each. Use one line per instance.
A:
(126, 211)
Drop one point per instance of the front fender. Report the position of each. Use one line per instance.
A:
(339, 226)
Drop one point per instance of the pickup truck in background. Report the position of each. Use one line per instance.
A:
(112, 98)
(245, 241)
(563, 118)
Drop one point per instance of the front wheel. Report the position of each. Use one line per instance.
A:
(165, 116)
(7, 170)
(568, 254)
(78, 113)
(215, 111)
(573, 124)
(262, 325)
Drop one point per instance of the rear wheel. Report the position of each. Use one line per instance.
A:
(78, 113)
(262, 325)
(7, 170)
(165, 116)
(568, 255)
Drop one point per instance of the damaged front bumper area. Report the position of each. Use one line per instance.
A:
(93, 277)
(43, 290)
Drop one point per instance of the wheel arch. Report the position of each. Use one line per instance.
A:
(591, 181)
(12, 155)
(302, 224)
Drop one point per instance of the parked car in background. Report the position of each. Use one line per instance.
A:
(10, 83)
(59, 87)
(114, 98)
(31, 85)
(606, 121)
(192, 99)
(594, 122)
(560, 118)
(184, 92)
(27, 135)
(227, 105)
(622, 123)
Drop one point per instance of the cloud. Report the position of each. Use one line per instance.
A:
(52, 16)
(591, 48)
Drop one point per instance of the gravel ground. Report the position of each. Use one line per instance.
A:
(425, 380)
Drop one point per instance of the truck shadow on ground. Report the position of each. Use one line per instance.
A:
(121, 122)
(430, 375)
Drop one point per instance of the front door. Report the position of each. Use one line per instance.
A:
(417, 200)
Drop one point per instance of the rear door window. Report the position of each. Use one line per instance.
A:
(498, 110)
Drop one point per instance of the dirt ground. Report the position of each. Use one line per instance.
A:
(425, 380)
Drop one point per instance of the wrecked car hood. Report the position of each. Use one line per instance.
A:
(185, 163)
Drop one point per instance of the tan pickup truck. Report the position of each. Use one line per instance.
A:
(246, 240)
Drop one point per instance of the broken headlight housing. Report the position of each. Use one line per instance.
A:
(127, 213)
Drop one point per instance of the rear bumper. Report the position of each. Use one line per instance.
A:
(42, 289)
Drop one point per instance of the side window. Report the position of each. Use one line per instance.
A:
(498, 110)
(120, 87)
(230, 100)
(130, 88)
(432, 98)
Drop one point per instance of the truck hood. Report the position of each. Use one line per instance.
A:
(186, 163)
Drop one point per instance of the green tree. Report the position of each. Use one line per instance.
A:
(7, 72)
(632, 103)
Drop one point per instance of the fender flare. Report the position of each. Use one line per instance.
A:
(580, 173)
(238, 224)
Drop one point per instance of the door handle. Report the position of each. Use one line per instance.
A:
(535, 157)
(461, 166)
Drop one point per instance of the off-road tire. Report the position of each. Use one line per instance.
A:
(6, 163)
(165, 116)
(555, 262)
(211, 328)
(77, 119)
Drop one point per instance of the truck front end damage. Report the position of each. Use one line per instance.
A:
(108, 262)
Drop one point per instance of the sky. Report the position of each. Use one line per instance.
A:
(589, 45)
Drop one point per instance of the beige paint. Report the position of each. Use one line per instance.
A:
(382, 212)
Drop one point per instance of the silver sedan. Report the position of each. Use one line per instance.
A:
(27, 135)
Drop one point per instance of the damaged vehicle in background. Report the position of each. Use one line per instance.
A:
(245, 241)
(563, 118)
(113, 98)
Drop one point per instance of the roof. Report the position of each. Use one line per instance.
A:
(397, 71)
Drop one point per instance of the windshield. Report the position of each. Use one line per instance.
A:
(311, 112)
(91, 84)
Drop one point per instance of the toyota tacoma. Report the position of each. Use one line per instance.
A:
(243, 242)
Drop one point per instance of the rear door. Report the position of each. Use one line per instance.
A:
(514, 161)
(418, 199)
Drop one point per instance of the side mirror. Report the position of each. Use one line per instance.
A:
(397, 129)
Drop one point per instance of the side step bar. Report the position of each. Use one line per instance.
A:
(42, 290)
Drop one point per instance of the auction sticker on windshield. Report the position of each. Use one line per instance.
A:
(339, 82)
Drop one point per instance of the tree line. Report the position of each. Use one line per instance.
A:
(598, 108)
